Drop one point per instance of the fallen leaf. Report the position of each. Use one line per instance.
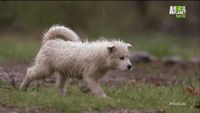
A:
(193, 91)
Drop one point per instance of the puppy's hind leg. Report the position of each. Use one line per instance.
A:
(34, 72)
(61, 84)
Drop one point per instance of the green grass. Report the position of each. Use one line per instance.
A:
(19, 48)
(145, 97)
(163, 45)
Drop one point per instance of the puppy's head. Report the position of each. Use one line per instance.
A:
(119, 55)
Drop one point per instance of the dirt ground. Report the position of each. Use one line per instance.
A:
(155, 73)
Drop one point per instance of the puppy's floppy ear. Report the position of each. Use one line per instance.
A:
(111, 48)
(129, 45)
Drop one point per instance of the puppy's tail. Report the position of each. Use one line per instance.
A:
(57, 30)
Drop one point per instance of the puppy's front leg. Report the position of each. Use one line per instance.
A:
(94, 86)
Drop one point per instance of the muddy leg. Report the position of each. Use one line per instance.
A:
(33, 73)
(61, 84)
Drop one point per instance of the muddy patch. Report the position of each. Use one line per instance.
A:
(121, 110)
(155, 73)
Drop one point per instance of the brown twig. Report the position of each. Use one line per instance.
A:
(11, 80)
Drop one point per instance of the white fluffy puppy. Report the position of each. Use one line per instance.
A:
(72, 58)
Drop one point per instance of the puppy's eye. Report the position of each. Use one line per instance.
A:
(122, 57)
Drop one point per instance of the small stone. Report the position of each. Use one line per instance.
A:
(195, 60)
(137, 57)
(171, 60)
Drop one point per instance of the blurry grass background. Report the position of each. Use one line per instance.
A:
(146, 24)
(20, 48)
(17, 49)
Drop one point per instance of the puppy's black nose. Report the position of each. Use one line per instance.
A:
(129, 67)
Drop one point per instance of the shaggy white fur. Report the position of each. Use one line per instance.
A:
(70, 57)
